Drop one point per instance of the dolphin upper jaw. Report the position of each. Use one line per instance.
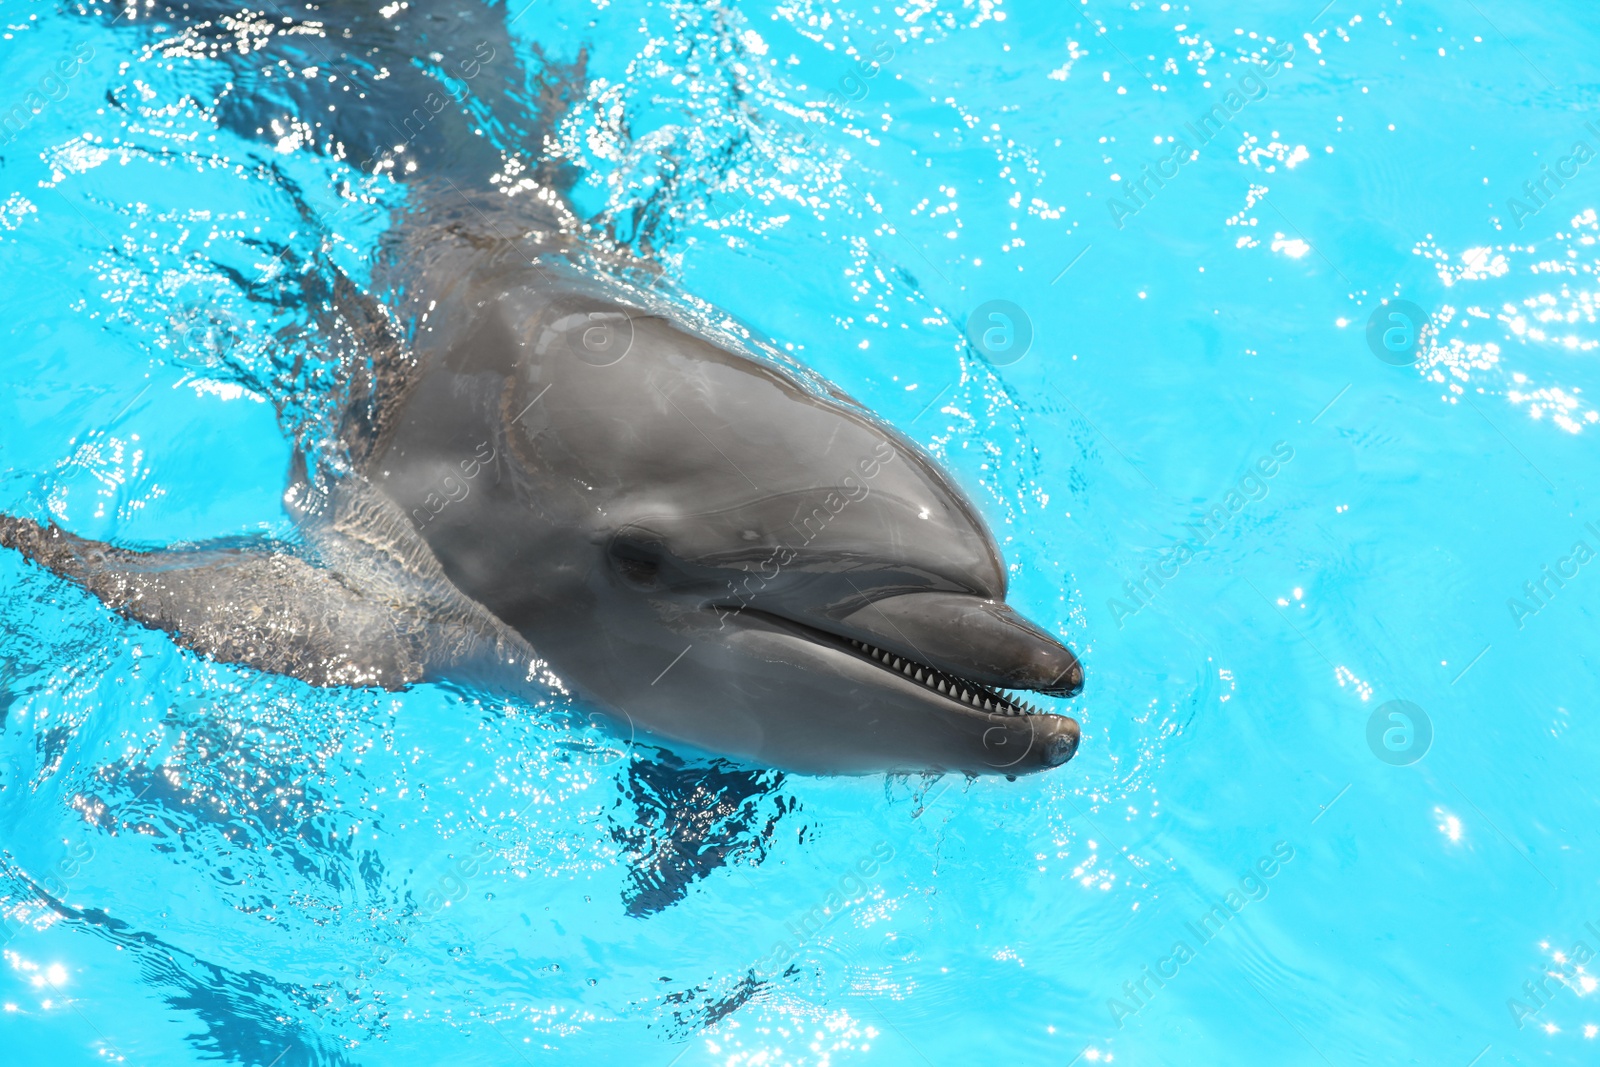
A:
(980, 639)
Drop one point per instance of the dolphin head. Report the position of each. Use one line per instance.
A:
(854, 632)
(722, 553)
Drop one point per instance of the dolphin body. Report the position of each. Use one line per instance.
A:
(546, 472)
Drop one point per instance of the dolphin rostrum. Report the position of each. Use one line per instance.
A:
(548, 472)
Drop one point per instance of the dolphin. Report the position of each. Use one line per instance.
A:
(550, 470)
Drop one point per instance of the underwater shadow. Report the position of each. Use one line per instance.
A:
(690, 818)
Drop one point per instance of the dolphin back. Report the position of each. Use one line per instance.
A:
(412, 90)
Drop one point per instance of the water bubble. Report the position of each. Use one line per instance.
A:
(1399, 733)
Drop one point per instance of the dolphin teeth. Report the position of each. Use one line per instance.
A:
(906, 668)
(920, 676)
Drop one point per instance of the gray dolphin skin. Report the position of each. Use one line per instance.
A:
(550, 471)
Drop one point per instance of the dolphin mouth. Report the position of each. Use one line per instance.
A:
(970, 696)
(975, 721)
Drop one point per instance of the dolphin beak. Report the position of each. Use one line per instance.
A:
(1062, 745)
(970, 637)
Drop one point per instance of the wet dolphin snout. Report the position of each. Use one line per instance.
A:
(1061, 747)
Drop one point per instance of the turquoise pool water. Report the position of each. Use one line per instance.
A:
(1122, 268)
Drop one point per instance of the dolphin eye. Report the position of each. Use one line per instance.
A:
(637, 563)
